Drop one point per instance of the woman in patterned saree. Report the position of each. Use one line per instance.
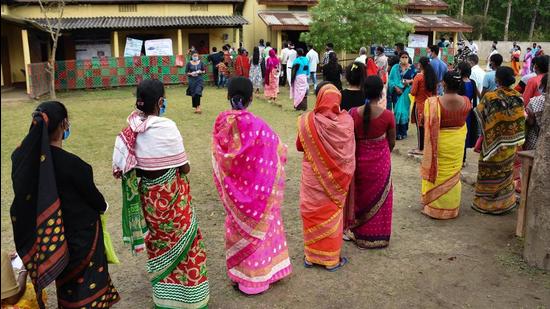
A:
(369, 207)
(271, 78)
(326, 137)
(56, 215)
(444, 139)
(157, 212)
(501, 116)
(248, 160)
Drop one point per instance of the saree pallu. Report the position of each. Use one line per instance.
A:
(248, 161)
(327, 171)
(272, 89)
(85, 282)
(177, 259)
(370, 213)
(441, 165)
(299, 91)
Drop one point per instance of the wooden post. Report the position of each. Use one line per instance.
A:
(455, 41)
(180, 42)
(26, 58)
(116, 49)
(434, 38)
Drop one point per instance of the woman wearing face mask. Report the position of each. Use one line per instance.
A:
(195, 70)
(248, 159)
(56, 215)
(399, 87)
(156, 208)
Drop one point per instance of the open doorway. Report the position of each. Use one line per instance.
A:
(294, 37)
(6, 70)
(200, 41)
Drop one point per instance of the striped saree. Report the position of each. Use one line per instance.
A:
(501, 115)
(327, 139)
(441, 164)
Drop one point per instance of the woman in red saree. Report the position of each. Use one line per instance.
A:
(242, 64)
(326, 137)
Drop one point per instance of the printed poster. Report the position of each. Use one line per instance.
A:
(133, 47)
(160, 47)
(418, 40)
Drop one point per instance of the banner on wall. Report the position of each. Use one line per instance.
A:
(133, 47)
(91, 51)
(160, 47)
(418, 40)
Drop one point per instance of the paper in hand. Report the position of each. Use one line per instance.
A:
(17, 263)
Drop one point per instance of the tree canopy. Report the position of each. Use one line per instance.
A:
(350, 24)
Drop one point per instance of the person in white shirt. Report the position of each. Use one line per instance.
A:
(289, 61)
(478, 74)
(381, 61)
(494, 51)
(362, 56)
(313, 58)
(283, 58)
(329, 48)
(473, 47)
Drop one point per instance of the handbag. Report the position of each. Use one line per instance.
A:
(477, 147)
(109, 248)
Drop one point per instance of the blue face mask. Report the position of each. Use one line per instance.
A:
(67, 133)
(163, 107)
(195, 58)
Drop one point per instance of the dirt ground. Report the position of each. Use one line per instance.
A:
(473, 261)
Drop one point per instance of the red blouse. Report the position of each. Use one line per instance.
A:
(377, 126)
(456, 118)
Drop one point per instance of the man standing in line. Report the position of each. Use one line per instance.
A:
(313, 58)
(214, 58)
(362, 56)
(439, 66)
(477, 73)
(473, 47)
(289, 61)
(328, 49)
(489, 81)
(284, 56)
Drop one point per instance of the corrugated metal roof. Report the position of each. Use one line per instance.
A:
(133, 1)
(147, 22)
(286, 20)
(439, 22)
(427, 4)
(288, 2)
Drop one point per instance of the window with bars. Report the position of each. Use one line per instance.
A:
(199, 7)
(127, 8)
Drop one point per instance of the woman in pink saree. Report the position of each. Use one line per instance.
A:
(248, 160)
(271, 78)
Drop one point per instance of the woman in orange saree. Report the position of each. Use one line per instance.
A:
(326, 137)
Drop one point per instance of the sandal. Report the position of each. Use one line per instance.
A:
(307, 264)
(343, 261)
(348, 236)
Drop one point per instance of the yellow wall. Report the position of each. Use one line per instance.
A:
(256, 28)
(89, 10)
(15, 46)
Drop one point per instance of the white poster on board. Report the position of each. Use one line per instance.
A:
(160, 47)
(133, 47)
(418, 40)
(90, 51)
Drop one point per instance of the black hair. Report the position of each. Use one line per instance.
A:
(529, 48)
(320, 85)
(496, 59)
(519, 47)
(148, 94)
(544, 82)
(239, 91)
(310, 46)
(505, 76)
(55, 112)
(225, 47)
(300, 52)
(285, 44)
(435, 49)
(355, 74)
(473, 58)
(373, 90)
(430, 78)
(268, 44)
(464, 69)
(332, 58)
(452, 81)
(380, 49)
(403, 52)
(542, 63)
(261, 41)
(256, 56)
(401, 46)
(214, 49)
(330, 45)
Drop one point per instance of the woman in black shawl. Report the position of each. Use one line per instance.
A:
(55, 215)
(332, 71)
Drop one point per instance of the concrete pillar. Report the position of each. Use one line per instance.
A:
(455, 40)
(116, 49)
(434, 38)
(237, 37)
(26, 57)
(279, 41)
(180, 42)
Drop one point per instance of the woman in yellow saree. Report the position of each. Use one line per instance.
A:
(326, 136)
(444, 138)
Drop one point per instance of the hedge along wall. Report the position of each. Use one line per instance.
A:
(110, 72)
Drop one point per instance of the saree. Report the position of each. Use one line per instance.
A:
(370, 202)
(526, 69)
(271, 80)
(501, 115)
(248, 161)
(402, 105)
(327, 139)
(242, 66)
(300, 86)
(441, 164)
(157, 214)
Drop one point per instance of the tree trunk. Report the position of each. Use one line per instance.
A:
(484, 19)
(461, 12)
(533, 21)
(537, 233)
(51, 68)
(507, 23)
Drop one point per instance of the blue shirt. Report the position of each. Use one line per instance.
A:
(303, 65)
(440, 68)
(489, 81)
